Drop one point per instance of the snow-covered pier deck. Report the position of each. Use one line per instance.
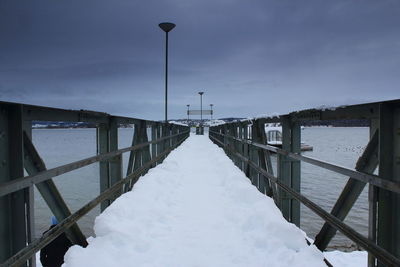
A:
(195, 209)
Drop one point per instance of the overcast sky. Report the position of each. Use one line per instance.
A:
(249, 57)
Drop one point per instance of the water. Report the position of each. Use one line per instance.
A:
(61, 146)
(342, 146)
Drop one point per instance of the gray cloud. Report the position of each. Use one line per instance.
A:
(250, 58)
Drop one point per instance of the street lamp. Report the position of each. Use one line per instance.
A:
(188, 113)
(166, 27)
(211, 105)
(201, 107)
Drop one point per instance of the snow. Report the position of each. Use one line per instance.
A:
(178, 123)
(347, 259)
(268, 116)
(327, 107)
(214, 122)
(195, 209)
(273, 128)
(38, 263)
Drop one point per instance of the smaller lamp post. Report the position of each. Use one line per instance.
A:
(201, 107)
(188, 113)
(211, 106)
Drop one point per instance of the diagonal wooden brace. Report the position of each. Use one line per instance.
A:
(34, 164)
(366, 163)
(138, 158)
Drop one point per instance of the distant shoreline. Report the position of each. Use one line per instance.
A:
(80, 125)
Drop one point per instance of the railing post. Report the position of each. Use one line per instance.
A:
(232, 133)
(158, 136)
(103, 145)
(246, 148)
(289, 170)
(240, 144)
(221, 138)
(141, 136)
(254, 156)
(115, 164)
(146, 157)
(13, 217)
(224, 138)
(132, 155)
(174, 131)
(237, 143)
(388, 235)
(264, 160)
(231, 143)
(284, 169)
(170, 132)
(166, 133)
(295, 178)
(372, 199)
(154, 145)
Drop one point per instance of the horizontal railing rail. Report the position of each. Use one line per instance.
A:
(41, 113)
(24, 182)
(361, 176)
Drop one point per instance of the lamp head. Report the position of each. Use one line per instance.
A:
(167, 26)
(201, 93)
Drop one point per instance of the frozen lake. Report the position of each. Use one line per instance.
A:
(342, 146)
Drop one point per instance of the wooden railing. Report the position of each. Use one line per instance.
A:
(17, 152)
(245, 143)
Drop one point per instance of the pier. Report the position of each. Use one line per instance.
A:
(203, 174)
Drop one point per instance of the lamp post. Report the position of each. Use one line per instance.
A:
(201, 107)
(166, 27)
(188, 113)
(211, 105)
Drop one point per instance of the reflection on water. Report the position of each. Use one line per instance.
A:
(342, 146)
